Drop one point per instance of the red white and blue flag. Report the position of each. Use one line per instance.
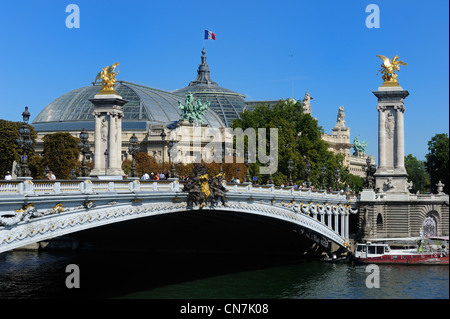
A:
(209, 35)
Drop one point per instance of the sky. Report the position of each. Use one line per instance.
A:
(266, 50)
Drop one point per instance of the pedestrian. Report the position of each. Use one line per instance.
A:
(145, 177)
(8, 176)
(51, 176)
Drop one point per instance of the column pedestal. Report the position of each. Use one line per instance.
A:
(391, 176)
(108, 115)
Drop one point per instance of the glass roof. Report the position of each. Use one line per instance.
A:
(145, 104)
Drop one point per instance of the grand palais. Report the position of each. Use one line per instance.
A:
(149, 111)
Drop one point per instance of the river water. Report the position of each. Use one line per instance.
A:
(33, 274)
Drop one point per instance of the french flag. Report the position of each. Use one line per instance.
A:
(209, 35)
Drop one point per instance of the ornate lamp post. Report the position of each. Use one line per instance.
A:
(133, 149)
(239, 173)
(290, 169)
(163, 139)
(25, 142)
(308, 172)
(369, 170)
(247, 174)
(347, 180)
(84, 147)
(173, 171)
(336, 178)
(324, 174)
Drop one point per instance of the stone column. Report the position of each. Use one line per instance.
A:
(381, 137)
(108, 113)
(97, 142)
(400, 140)
(391, 176)
(112, 145)
(336, 222)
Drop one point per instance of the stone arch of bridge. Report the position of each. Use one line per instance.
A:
(67, 222)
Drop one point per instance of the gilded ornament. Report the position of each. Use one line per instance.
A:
(388, 68)
(108, 77)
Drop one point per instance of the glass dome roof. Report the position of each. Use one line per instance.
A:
(146, 106)
(226, 103)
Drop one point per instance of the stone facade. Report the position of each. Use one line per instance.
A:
(381, 216)
(339, 143)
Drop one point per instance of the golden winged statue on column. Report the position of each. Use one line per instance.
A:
(108, 77)
(388, 68)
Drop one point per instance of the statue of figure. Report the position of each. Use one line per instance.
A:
(390, 125)
(340, 117)
(108, 77)
(218, 190)
(389, 184)
(200, 189)
(388, 68)
(360, 147)
(307, 103)
(192, 111)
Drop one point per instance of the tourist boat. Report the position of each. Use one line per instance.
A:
(411, 251)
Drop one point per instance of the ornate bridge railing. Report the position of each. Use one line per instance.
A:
(32, 211)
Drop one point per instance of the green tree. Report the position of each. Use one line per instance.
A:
(60, 154)
(299, 138)
(9, 149)
(417, 173)
(437, 161)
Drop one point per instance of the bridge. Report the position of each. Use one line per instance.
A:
(36, 210)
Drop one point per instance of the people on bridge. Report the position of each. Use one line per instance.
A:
(8, 176)
(145, 176)
(51, 176)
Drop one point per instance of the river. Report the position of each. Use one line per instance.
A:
(33, 274)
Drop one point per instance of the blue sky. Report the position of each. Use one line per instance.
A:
(267, 50)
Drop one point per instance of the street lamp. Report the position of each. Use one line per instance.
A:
(307, 172)
(247, 175)
(172, 172)
(106, 153)
(84, 147)
(133, 149)
(336, 178)
(290, 169)
(239, 173)
(163, 138)
(25, 142)
(324, 174)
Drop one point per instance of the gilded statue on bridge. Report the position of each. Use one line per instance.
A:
(201, 189)
(108, 77)
(388, 68)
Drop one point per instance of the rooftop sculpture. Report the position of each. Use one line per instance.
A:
(193, 109)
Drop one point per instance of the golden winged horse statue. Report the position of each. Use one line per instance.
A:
(388, 68)
(108, 77)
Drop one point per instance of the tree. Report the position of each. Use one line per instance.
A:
(417, 174)
(60, 154)
(437, 161)
(299, 138)
(9, 149)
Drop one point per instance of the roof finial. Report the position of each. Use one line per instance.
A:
(203, 72)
